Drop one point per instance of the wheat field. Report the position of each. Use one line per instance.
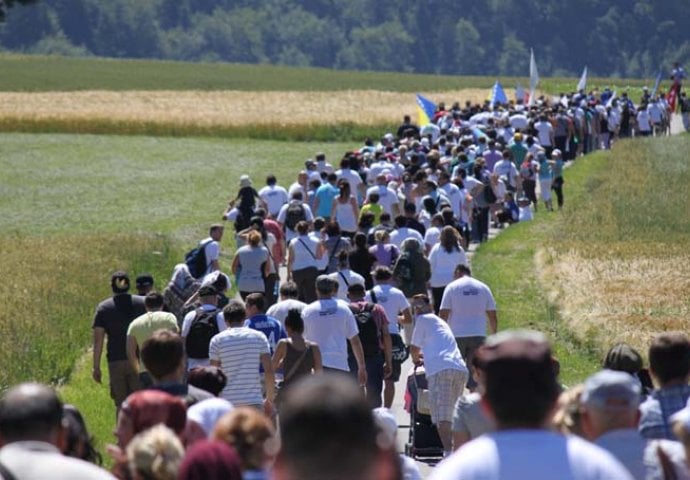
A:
(226, 108)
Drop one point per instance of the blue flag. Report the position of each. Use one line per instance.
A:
(425, 110)
(498, 96)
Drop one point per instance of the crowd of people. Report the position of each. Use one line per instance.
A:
(296, 380)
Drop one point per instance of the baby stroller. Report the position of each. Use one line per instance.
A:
(423, 441)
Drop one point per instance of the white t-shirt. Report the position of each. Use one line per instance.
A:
(330, 323)
(468, 300)
(308, 216)
(432, 236)
(378, 167)
(455, 196)
(400, 235)
(519, 121)
(525, 214)
(280, 310)
(239, 351)
(530, 455)
(187, 324)
(643, 121)
(544, 130)
(393, 302)
(305, 250)
(443, 265)
(352, 178)
(323, 166)
(212, 251)
(345, 278)
(387, 197)
(506, 168)
(275, 197)
(438, 345)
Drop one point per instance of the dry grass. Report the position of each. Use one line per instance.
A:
(224, 108)
(626, 292)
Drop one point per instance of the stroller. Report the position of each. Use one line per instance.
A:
(423, 440)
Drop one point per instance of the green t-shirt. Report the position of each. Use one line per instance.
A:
(143, 326)
(374, 208)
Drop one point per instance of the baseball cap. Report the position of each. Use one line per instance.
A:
(623, 358)
(611, 389)
(518, 359)
(245, 181)
(144, 280)
(119, 281)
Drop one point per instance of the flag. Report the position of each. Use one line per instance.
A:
(657, 83)
(519, 93)
(610, 101)
(533, 78)
(425, 110)
(671, 98)
(582, 84)
(498, 96)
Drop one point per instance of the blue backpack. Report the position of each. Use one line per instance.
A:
(196, 260)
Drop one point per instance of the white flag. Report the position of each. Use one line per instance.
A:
(610, 102)
(582, 84)
(533, 78)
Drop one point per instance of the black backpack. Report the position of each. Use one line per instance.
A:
(489, 195)
(368, 331)
(294, 215)
(202, 330)
(196, 260)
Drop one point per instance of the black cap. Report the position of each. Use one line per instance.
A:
(207, 291)
(144, 280)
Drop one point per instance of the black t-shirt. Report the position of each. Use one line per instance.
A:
(114, 315)
(361, 261)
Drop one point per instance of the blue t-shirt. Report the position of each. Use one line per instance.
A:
(269, 326)
(544, 170)
(326, 193)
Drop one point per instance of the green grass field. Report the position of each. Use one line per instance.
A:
(73, 208)
(35, 73)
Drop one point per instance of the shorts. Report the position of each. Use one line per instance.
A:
(123, 381)
(445, 387)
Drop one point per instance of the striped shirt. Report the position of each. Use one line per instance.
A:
(239, 352)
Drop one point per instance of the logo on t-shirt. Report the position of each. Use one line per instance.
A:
(470, 292)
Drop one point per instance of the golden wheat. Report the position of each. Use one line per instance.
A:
(231, 108)
(622, 295)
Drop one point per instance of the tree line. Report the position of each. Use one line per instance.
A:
(619, 38)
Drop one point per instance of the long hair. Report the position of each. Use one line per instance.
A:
(450, 240)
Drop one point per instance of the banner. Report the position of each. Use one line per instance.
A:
(425, 110)
(582, 84)
(533, 78)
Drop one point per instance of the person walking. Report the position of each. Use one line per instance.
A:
(443, 258)
(345, 210)
(251, 266)
(303, 255)
(112, 319)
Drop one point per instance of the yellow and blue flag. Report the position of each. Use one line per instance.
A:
(425, 110)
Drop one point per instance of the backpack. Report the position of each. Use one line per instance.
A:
(196, 260)
(204, 327)
(368, 331)
(489, 195)
(294, 215)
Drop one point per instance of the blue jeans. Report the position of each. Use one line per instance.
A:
(374, 366)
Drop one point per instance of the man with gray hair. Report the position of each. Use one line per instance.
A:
(330, 323)
(609, 406)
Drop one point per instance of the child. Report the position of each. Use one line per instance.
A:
(510, 213)
(373, 207)
(525, 209)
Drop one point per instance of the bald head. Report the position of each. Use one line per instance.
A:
(30, 411)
